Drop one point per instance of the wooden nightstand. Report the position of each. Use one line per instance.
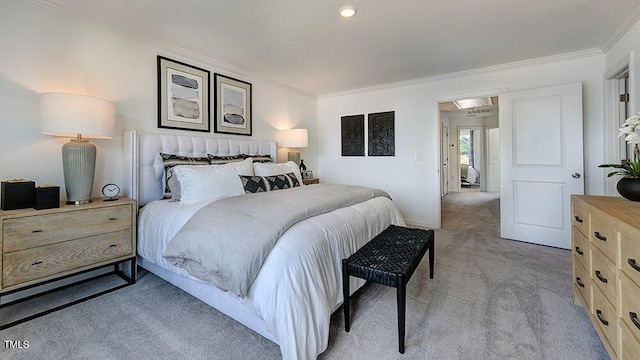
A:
(311, 181)
(41, 246)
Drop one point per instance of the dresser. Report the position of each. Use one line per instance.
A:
(41, 246)
(606, 269)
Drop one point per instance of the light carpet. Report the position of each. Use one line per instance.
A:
(491, 299)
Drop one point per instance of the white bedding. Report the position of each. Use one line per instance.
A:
(299, 285)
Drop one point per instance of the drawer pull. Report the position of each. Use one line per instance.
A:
(632, 263)
(579, 251)
(112, 219)
(36, 231)
(599, 237)
(634, 319)
(579, 282)
(578, 219)
(602, 320)
(604, 280)
(113, 245)
(37, 263)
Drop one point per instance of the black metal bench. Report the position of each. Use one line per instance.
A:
(389, 259)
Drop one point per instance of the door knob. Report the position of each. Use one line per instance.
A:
(575, 175)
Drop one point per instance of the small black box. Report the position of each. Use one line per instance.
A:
(17, 194)
(47, 197)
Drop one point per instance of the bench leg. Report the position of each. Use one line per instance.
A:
(432, 251)
(345, 294)
(402, 298)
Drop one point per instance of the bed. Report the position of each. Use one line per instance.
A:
(298, 286)
(469, 176)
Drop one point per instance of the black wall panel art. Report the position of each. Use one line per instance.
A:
(352, 135)
(382, 137)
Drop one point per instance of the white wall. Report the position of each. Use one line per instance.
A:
(43, 52)
(414, 184)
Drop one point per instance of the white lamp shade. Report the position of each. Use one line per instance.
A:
(69, 114)
(295, 138)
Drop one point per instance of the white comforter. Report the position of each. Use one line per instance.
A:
(299, 284)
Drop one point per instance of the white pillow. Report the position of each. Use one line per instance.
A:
(270, 169)
(211, 182)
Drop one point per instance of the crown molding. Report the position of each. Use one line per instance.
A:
(508, 66)
(164, 47)
(629, 20)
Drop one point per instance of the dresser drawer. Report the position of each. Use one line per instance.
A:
(605, 317)
(580, 218)
(581, 250)
(582, 283)
(603, 275)
(630, 254)
(37, 263)
(630, 304)
(630, 344)
(33, 231)
(604, 237)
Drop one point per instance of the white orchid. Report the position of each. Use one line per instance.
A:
(628, 130)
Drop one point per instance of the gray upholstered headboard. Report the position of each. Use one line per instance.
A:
(141, 150)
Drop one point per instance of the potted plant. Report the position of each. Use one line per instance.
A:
(629, 185)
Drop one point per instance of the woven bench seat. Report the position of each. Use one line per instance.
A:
(389, 259)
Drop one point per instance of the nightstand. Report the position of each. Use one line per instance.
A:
(42, 246)
(311, 181)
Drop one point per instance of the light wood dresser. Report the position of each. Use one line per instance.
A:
(606, 269)
(41, 246)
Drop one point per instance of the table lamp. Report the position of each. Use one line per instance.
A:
(80, 118)
(293, 139)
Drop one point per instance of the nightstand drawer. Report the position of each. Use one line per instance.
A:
(31, 264)
(34, 231)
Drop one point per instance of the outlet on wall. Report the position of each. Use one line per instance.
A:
(417, 157)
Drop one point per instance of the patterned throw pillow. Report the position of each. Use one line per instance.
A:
(225, 159)
(255, 184)
(171, 160)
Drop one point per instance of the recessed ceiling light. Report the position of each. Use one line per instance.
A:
(348, 11)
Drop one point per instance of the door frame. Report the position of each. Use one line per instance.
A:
(612, 151)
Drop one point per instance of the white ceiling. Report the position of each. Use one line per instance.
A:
(307, 45)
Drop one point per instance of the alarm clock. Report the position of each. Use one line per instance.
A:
(110, 191)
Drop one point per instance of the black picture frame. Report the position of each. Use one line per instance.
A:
(184, 101)
(233, 106)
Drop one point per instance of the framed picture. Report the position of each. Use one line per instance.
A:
(233, 106)
(307, 174)
(183, 96)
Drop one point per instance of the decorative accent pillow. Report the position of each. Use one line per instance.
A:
(270, 169)
(171, 160)
(260, 158)
(213, 182)
(225, 159)
(254, 184)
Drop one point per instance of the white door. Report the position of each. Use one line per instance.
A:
(493, 156)
(445, 160)
(541, 163)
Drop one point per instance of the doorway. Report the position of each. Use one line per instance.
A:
(470, 151)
